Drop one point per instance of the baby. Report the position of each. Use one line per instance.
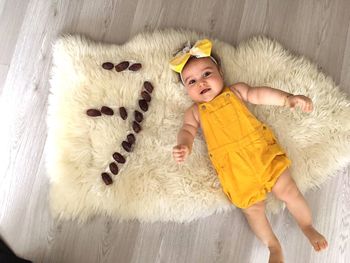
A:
(243, 150)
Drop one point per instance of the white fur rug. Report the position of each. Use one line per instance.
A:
(150, 186)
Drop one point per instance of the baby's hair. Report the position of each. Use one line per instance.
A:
(212, 54)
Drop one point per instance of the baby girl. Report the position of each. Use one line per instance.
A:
(243, 150)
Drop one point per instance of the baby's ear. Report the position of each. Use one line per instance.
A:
(221, 72)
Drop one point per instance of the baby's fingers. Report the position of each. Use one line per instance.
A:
(177, 155)
(180, 153)
(308, 107)
(177, 151)
(179, 159)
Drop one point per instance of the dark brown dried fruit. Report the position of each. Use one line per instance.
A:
(126, 146)
(135, 67)
(146, 96)
(131, 138)
(118, 157)
(106, 178)
(138, 116)
(108, 65)
(148, 86)
(114, 168)
(136, 127)
(106, 110)
(122, 66)
(123, 113)
(143, 105)
(93, 113)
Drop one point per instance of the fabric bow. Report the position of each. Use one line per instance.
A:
(201, 49)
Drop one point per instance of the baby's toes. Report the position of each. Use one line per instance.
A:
(320, 244)
(316, 246)
(324, 244)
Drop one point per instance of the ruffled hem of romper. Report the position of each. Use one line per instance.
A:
(262, 194)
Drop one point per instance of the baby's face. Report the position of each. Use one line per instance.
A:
(202, 79)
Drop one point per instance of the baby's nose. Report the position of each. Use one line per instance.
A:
(202, 83)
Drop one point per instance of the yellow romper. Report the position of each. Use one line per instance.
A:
(243, 150)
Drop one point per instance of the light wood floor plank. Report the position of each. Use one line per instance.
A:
(320, 30)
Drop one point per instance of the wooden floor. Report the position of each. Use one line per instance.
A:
(320, 30)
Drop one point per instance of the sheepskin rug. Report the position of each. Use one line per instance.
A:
(150, 186)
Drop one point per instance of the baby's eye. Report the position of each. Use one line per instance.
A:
(206, 74)
(192, 81)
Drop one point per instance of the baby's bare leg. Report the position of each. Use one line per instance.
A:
(286, 190)
(258, 222)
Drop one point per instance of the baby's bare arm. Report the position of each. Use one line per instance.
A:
(261, 95)
(188, 130)
(270, 96)
(186, 136)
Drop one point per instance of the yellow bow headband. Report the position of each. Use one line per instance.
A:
(201, 49)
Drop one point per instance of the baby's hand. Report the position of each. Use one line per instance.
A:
(180, 152)
(305, 103)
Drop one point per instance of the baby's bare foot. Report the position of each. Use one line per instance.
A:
(276, 255)
(318, 241)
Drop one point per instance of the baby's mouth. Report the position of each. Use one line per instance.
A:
(205, 90)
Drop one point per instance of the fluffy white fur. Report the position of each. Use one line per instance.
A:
(151, 186)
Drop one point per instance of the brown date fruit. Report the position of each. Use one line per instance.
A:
(93, 113)
(127, 146)
(138, 116)
(148, 86)
(122, 66)
(143, 105)
(136, 127)
(108, 65)
(135, 67)
(106, 110)
(106, 178)
(146, 96)
(118, 157)
(123, 113)
(114, 168)
(131, 138)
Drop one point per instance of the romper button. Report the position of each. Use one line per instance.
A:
(228, 94)
(210, 155)
(203, 107)
(264, 127)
